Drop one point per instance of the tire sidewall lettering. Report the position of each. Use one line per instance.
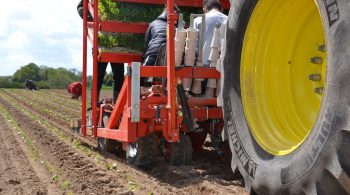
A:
(246, 161)
(332, 11)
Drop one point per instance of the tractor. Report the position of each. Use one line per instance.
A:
(282, 106)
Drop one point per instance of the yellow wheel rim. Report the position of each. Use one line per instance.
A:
(283, 72)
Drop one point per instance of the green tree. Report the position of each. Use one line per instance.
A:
(45, 77)
(29, 71)
(43, 73)
(61, 77)
(7, 82)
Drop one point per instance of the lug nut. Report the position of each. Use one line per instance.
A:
(315, 77)
(319, 90)
(322, 48)
(316, 60)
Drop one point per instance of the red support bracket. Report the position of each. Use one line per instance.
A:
(120, 57)
(120, 135)
(118, 108)
(185, 72)
(122, 27)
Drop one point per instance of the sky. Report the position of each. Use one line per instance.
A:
(44, 32)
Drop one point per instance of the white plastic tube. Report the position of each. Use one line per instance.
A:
(190, 50)
(190, 55)
(213, 58)
(180, 38)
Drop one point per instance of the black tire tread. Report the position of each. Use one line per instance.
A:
(344, 152)
(329, 184)
(147, 151)
(108, 145)
(182, 151)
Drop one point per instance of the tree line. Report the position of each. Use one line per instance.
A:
(48, 78)
(43, 76)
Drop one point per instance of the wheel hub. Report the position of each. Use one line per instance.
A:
(132, 150)
(283, 72)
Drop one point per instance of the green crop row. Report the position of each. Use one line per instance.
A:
(33, 150)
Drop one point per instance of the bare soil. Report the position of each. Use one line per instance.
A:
(80, 169)
(17, 176)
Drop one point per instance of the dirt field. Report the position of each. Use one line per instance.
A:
(40, 155)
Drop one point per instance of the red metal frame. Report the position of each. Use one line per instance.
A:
(171, 105)
(95, 69)
(119, 57)
(188, 3)
(122, 27)
(169, 114)
(185, 72)
(84, 73)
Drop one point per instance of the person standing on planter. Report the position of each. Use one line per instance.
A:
(117, 68)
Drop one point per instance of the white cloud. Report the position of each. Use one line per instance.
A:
(16, 40)
(22, 58)
(2, 31)
(40, 31)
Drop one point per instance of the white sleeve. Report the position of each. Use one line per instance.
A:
(197, 23)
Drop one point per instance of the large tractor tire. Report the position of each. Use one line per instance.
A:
(286, 95)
